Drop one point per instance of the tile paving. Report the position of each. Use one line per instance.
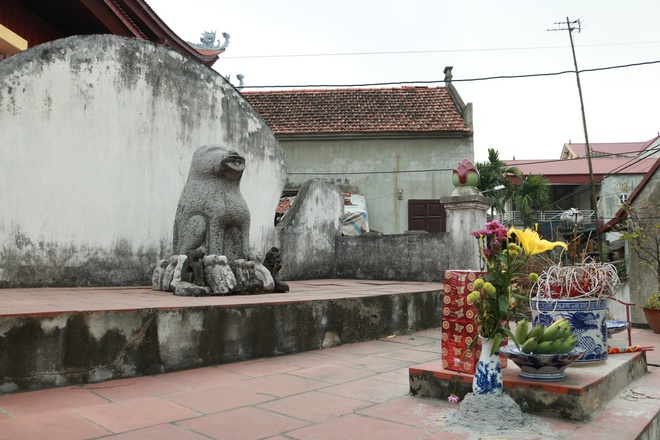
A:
(356, 391)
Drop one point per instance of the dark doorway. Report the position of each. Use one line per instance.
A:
(426, 215)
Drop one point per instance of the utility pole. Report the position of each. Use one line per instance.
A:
(570, 27)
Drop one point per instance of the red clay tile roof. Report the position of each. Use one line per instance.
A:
(407, 109)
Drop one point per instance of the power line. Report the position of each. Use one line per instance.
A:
(441, 81)
(633, 161)
(414, 52)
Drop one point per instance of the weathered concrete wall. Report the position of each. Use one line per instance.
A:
(378, 168)
(97, 136)
(72, 348)
(405, 257)
(611, 187)
(417, 256)
(308, 231)
(642, 280)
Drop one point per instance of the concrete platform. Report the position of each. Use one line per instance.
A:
(586, 389)
(356, 391)
(65, 336)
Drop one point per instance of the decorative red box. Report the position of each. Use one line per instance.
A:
(459, 328)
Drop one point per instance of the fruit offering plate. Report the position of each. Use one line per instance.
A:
(614, 327)
(542, 367)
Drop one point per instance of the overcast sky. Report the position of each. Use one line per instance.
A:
(346, 42)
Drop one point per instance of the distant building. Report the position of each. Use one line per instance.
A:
(395, 146)
(617, 169)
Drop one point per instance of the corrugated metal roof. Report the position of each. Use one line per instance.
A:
(577, 170)
(358, 110)
(629, 149)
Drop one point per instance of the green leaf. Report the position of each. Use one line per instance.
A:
(511, 336)
(503, 303)
(497, 340)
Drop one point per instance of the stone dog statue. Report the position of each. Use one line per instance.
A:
(212, 211)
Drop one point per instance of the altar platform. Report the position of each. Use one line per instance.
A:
(63, 336)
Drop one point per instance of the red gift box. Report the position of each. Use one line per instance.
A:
(459, 327)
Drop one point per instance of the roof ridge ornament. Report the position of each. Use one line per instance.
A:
(208, 41)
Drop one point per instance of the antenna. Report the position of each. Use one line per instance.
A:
(570, 26)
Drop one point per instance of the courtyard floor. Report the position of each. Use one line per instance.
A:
(357, 391)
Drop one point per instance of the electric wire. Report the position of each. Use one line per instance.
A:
(414, 52)
(440, 81)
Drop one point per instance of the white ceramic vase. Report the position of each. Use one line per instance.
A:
(488, 374)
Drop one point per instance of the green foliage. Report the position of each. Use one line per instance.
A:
(642, 232)
(531, 194)
(652, 302)
(493, 173)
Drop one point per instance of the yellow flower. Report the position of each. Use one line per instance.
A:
(532, 243)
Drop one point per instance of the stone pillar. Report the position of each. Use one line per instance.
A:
(465, 214)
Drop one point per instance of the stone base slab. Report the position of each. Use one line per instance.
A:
(586, 389)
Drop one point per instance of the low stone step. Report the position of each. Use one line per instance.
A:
(587, 388)
(635, 410)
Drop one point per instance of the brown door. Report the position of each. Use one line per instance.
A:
(426, 215)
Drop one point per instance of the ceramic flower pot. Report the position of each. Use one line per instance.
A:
(542, 367)
(653, 318)
(488, 374)
(587, 318)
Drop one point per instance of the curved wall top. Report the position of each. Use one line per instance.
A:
(96, 137)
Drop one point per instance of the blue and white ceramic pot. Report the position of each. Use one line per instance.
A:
(488, 374)
(587, 317)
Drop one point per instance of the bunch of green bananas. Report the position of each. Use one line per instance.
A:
(556, 338)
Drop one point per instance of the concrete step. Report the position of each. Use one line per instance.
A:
(585, 389)
(66, 336)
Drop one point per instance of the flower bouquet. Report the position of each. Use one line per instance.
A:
(497, 295)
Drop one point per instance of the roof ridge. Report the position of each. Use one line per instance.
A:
(341, 89)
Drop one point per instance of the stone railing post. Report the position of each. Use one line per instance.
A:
(465, 214)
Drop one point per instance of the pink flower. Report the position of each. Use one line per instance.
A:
(453, 398)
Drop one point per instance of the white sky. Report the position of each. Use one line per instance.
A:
(530, 118)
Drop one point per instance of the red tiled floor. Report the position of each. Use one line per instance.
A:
(358, 427)
(409, 410)
(135, 414)
(51, 425)
(308, 359)
(400, 377)
(636, 407)
(201, 377)
(21, 301)
(293, 396)
(126, 389)
(243, 424)
(160, 432)
(280, 385)
(596, 432)
(413, 355)
(47, 400)
(333, 374)
(314, 406)
(220, 398)
(442, 435)
(367, 389)
(258, 367)
(376, 363)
